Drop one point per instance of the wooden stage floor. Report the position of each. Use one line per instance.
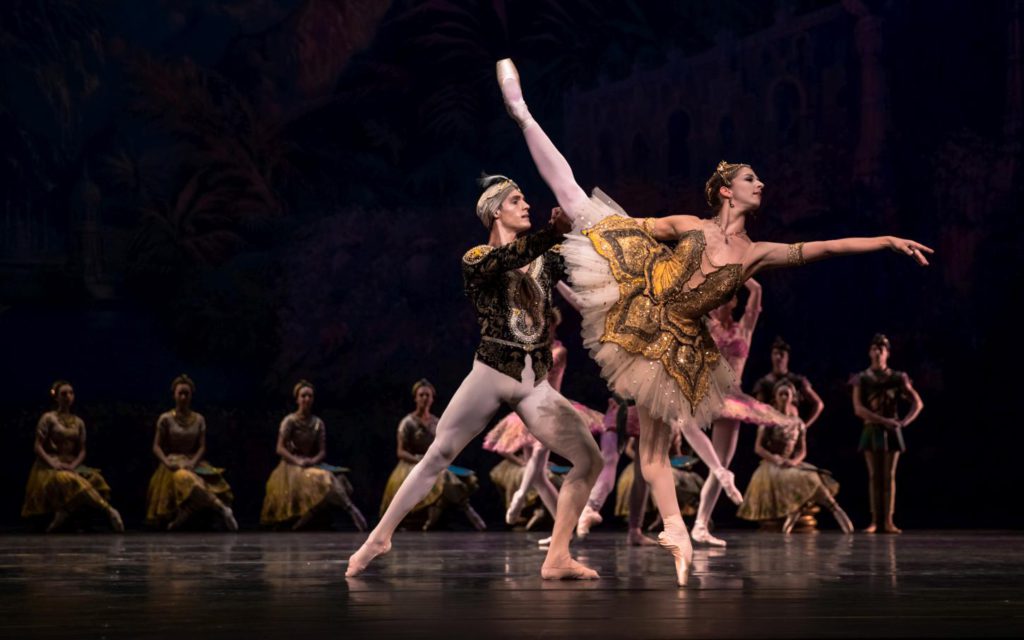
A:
(455, 585)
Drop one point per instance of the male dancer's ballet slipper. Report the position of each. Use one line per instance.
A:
(512, 92)
(728, 482)
(682, 554)
(573, 571)
(362, 558)
(700, 534)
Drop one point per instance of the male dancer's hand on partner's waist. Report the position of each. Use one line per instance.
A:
(560, 221)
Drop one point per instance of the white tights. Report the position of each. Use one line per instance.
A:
(547, 415)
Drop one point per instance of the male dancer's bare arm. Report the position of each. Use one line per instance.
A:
(916, 404)
(819, 404)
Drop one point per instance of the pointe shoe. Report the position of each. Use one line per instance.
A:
(515, 506)
(728, 482)
(790, 522)
(544, 542)
(229, 519)
(512, 92)
(589, 518)
(682, 554)
(538, 515)
(573, 571)
(357, 518)
(358, 561)
(700, 534)
(475, 519)
(115, 520)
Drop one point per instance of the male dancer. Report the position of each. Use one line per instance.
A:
(509, 281)
(808, 402)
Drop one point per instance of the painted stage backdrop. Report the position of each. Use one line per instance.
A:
(253, 192)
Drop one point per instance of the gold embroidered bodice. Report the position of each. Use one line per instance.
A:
(663, 295)
(302, 436)
(61, 434)
(180, 435)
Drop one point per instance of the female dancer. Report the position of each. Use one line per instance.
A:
(299, 488)
(733, 340)
(416, 432)
(643, 303)
(59, 483)
(509, 281)
(184, 484)
(784, 483)
(876, 394)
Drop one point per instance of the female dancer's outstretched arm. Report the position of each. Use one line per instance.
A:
(551, 164)
(768, 255)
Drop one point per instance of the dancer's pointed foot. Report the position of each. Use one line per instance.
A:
(512, 92)
(115, 520)
(636, 538)
(515, 506)
(842, 519)
(358, 561)
(700, 534)
(544, 542)
(474, 518)
(678, 544)
(538, 515)
(229, 519)
(589, 518)
(357, 517)
(790, 522)
(728, 482)
(433, 515)
(59, 518)
(567, 570)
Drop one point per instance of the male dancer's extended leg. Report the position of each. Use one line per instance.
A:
(553, 420)
(724, 434)
(472, 406)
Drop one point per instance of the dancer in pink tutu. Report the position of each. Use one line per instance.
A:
(733, 340)
(643, 303)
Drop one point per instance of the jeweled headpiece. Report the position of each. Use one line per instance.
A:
(722, 176)
(496, 188)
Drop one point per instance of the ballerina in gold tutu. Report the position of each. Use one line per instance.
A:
(59, 483)
(302, 486)
(643, 304)
(184, 483)
(784, 483)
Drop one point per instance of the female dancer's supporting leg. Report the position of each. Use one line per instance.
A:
(638, 495)
(655, 440)
(724, 435)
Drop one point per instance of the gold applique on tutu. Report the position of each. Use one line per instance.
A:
(658, 313)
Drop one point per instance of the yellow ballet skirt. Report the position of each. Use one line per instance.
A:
(168, 490)
(775, 492)
(49, 490)
(623, 486)
(398, 476)
(292, 491)
(643, 305)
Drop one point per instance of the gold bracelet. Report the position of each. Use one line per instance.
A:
(796, 255)
(647, 224)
